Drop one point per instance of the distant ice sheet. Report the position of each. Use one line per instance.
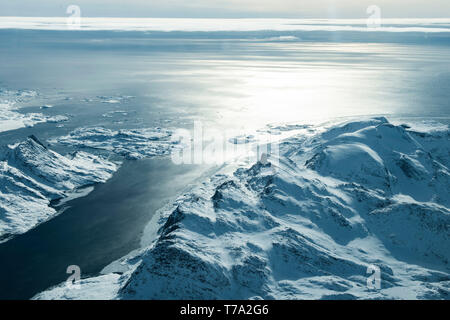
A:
(191, 25)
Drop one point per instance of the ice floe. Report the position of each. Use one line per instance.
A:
(12, 119)
(341, 202)
(132, 143)
(113, 113)
(114, 99)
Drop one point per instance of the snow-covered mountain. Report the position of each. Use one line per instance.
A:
(339, 201)
(31, 176)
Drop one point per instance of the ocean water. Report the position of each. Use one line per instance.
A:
(217, 72)
(238, 79)
(92, 231)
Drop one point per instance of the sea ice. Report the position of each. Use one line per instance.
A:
(132, 144)
(12, 119)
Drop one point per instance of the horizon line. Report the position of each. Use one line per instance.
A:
(233, 18)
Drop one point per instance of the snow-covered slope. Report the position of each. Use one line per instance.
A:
(339, 199)
(32, 175)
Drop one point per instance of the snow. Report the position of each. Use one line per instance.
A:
(308, 226)
(132, 144)
(12, 119)
(31, 176)
(114, 99)
(103, 287)
(57, 119)
(111, 114)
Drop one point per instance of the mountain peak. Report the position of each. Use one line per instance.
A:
(36, 140)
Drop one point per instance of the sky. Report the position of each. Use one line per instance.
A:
(229, 8)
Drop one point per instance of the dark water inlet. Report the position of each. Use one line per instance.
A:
(95, 230)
